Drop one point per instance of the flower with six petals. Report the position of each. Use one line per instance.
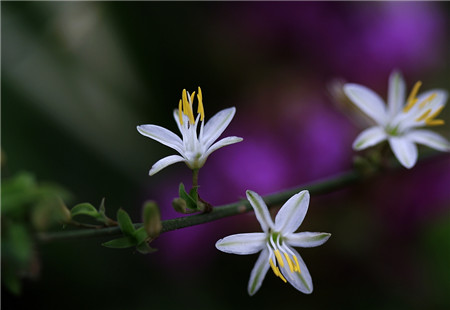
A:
(194, 148)
(399, 121)
(275, 243)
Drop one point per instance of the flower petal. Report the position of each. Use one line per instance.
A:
(429, 138)
(368, 101)
(396, 93)
(221, 143)
(258, 273)
(162, 135)
(216, 125)
(300, 280)
(292, 213)
(163, 163)
(261, 211)
(369, 137)
(242, 244)
(405, 151)
(307, 239)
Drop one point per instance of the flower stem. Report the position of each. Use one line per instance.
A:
(238, 207)
(320, 187)
(195, 178)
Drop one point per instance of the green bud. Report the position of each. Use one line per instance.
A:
(152, 219)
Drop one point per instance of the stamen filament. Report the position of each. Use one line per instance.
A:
(426, 100)
(291, 267)
(276, 271)
(296, 262)
(412, 97)
(279, 258)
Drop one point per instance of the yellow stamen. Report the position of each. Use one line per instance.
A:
(274, 269)
(200, 109)
(291, 266)
(412, 97)
(180, 112)
(192, 98)
(187, 109)
(423, 116)
(279, 258)
(427, 99)
(436, 113)
(435, 122)
(281, 276)
(296, 262)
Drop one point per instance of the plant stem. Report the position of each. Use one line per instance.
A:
(242, 206)
(195, 178)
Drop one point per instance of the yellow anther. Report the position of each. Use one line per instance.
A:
(291, 266)
(436, 113)
(435, 122)
(427, 99)
(423, 116)
(296, 262)
(191, 101)
(281, 276)
(187, 109)
(412, 97)
(200, 109)
(274, 268)
(279, 258)
(180, 112)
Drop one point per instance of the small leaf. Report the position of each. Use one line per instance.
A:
(152, 219)
(120, 243)
(84, 209)
(190, 202)
(126, 226)
(141, 235)
(144, 248)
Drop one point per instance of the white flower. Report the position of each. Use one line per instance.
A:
(194, 150)
(398, 122)
(276, 242)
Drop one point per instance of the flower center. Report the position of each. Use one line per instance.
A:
(185, 106)
(280, 255)
(424, 109)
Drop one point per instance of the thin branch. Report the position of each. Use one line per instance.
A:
(320, 187)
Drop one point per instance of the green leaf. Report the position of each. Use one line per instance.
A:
(120, 243)
(126, 226)
(141, 235)
(190, 202)
(84, 209)
(144, 248)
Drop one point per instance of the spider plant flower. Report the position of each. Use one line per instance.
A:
(194, 148)
(276, 242)
(400, 121)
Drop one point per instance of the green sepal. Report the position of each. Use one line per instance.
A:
(191, 198)
(125, 224)
(85, 209)
(120, 243)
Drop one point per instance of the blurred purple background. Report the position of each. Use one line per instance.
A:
(78, 77)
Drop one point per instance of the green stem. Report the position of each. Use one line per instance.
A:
(195, 178)
(239, 207)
